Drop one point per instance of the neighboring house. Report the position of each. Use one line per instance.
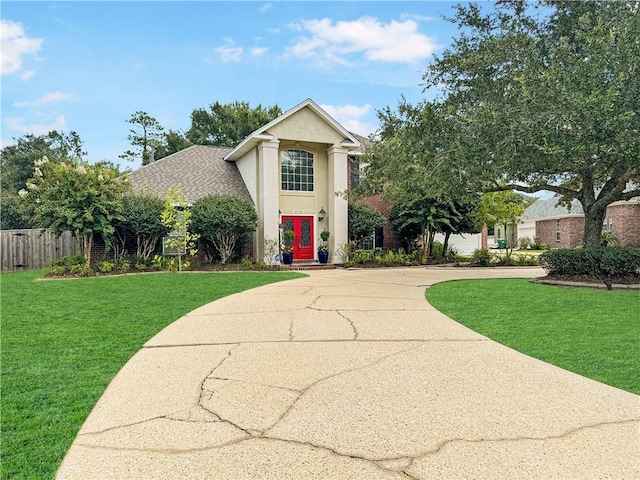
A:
(562, 227)
(383, 237)
(290, 169)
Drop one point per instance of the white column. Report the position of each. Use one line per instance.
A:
(268, 188)
(337, 211)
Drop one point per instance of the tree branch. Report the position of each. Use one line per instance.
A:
(567, 192)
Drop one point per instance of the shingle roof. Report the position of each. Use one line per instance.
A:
(547, 208)
(198, 171)
(364, 142)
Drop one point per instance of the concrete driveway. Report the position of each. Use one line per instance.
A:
(350, 374)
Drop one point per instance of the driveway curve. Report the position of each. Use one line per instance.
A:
(349, 374)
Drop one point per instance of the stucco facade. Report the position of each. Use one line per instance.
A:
(305, 128)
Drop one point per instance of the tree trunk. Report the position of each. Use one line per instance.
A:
(88, 243)
(445, 247)
(593, 219)
(425, 245)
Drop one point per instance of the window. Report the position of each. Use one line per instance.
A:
(354, 171)
(296, 171)
(607, 225)
(373, 241)
(558, 230)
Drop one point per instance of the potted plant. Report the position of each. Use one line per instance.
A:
(287, 250)
(323, 250)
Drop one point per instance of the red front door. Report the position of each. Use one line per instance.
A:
(303, 230)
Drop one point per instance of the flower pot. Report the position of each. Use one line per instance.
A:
(323, 257)
(287, 258)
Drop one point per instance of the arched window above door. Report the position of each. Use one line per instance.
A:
(296, 167)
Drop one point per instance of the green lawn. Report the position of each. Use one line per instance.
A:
(595, 333)
(62, 341)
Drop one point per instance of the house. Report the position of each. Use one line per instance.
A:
(291, 170)
(562, 227)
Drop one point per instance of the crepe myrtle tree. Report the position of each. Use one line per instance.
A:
(142, 218)
(502, 208)
(75, 196)
(16, 167)
(227, 221)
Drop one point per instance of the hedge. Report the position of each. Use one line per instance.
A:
(600, 262)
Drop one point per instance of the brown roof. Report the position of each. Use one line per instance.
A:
(364, 143)
(198, 171)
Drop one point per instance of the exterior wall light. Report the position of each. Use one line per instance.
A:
(322, 214)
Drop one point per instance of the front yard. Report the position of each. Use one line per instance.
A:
(594, 333)
(62, 342)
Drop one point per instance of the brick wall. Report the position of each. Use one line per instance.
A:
(375, 201)
(625, 222)
(571, 231)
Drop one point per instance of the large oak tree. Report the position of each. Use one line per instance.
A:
(533, 97)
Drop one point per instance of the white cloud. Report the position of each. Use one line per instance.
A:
(266, 7)
(21, 127)
(393, 42)
(351, 117)
(414, 16)
(49, 98)
(15, 44)
(230, 52)
(258, 51)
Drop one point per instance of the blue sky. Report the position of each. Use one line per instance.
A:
(87, 66)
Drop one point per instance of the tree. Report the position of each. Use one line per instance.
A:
(363, 221)
(142, 217)
(502, 208)
(76, 196)
(16, 167)
(407, 156)
(172, 141)
(544, 98)
(415, 215)
(227, 221)
(229, 124)
(145, 137)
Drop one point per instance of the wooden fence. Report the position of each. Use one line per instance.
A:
(34, 249)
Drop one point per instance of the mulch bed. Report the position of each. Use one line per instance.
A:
(630, 280)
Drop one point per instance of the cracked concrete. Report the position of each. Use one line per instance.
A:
(349, 374)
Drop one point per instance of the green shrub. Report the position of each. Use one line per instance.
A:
(69, 261)
(68, 264)
(361, 256)
(106, 267)
(246, 263)
(524, 243)
(483, 258)
(527, 260)
(538, 244)
(620, 261)
(226, 221)
(83, 270)
(59, 270)
(125, 267)
(600, 262)
(437, 249)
